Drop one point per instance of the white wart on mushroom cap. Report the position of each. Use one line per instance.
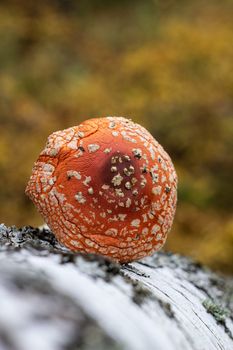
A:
(107, 187)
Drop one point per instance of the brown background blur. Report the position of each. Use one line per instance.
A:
(166, 64)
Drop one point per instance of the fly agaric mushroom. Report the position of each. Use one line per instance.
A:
(106, 187)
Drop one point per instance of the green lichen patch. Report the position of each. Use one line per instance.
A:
(216, 310)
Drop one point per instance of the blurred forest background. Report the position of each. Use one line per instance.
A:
(166, 64)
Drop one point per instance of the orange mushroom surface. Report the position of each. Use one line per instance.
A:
(106, 187)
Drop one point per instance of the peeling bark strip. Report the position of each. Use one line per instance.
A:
(53, 299)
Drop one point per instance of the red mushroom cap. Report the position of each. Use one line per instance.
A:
(106, 187)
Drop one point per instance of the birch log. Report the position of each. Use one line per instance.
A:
(51, 299)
